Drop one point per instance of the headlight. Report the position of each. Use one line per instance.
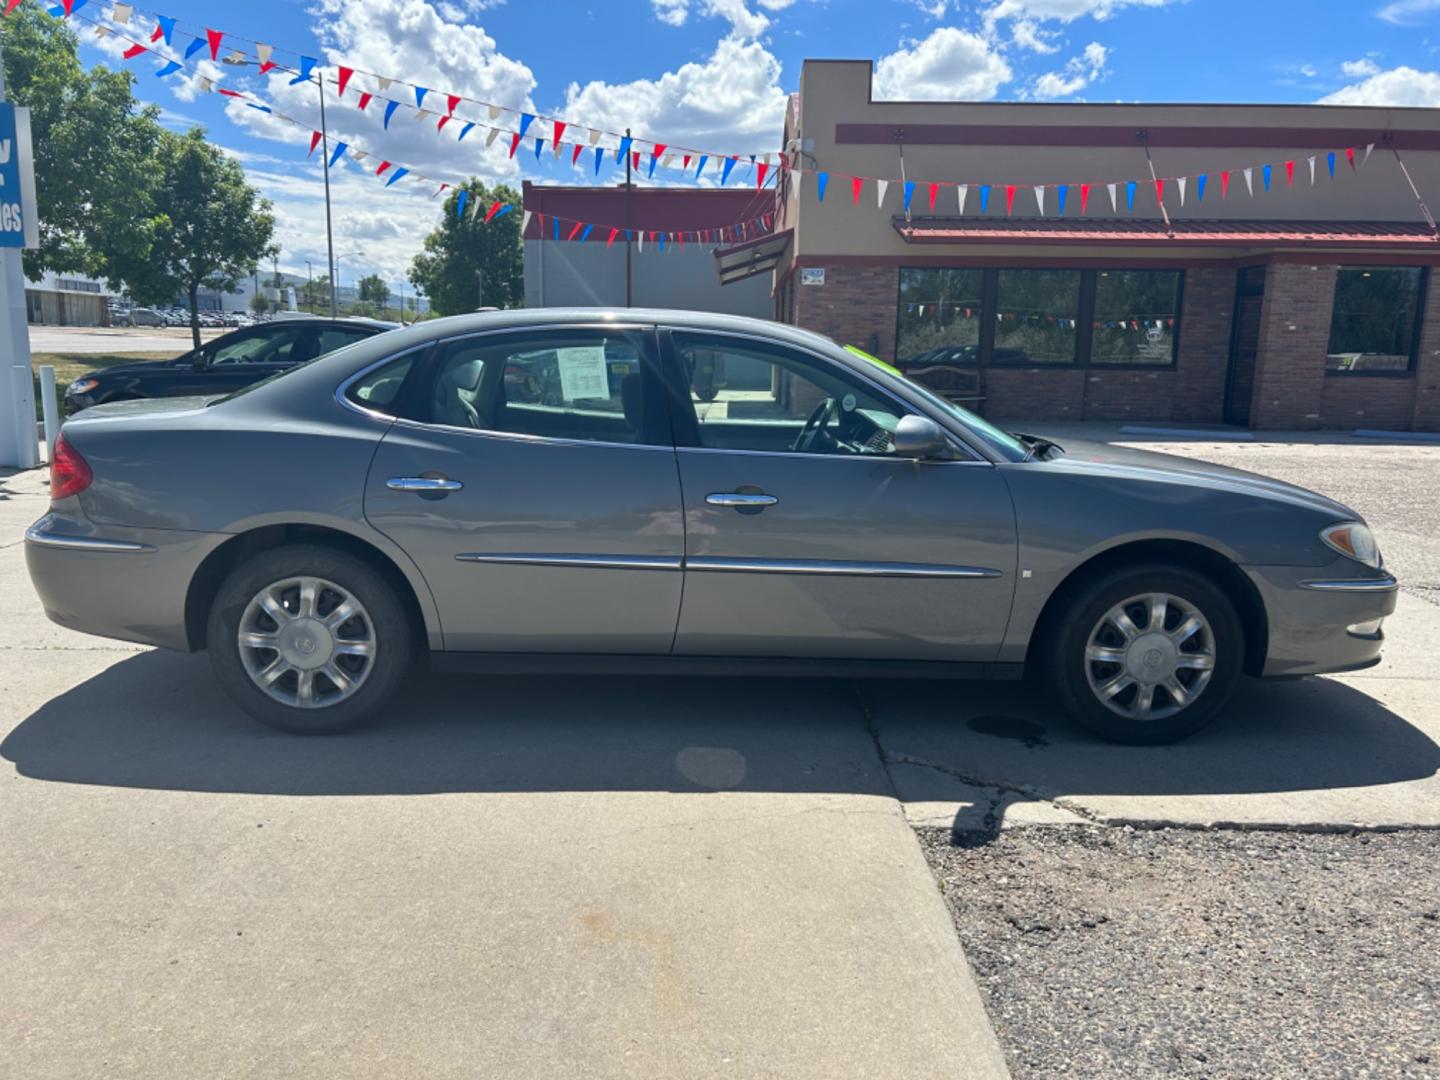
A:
(1354, 541)
(82, 386)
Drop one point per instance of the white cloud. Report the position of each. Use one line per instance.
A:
(742, 20)
(1027, 35)
(1309, 71)
(935, 9)
(671, 12)
(949, 65)
(1398, 86)
(1065, 10)
(1408, 12)
(1359, 69)
(1078, 73)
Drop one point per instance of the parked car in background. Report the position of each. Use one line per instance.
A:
(225, 364)
(531, 489)
(146, 317)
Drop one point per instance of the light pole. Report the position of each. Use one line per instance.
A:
(310, 286)
(335, 288)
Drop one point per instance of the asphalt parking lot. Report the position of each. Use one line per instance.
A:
(116, 339)
(609, 877)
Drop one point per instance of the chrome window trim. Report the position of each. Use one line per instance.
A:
(34, 535)
(520, 436)
(868, 459)
(604, 562)
(837, 568)
(1353, 585)
(361, 410)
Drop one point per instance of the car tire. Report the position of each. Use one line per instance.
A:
(352, 668)
(1096, 656)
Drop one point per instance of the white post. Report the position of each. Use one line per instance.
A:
(17, 199)
(49, 407)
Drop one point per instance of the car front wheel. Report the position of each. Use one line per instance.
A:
(309, 639)
(1147, 654)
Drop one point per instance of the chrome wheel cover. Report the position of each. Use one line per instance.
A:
(1150, 656)
(307, 642)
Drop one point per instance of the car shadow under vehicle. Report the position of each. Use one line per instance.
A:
(157, 720)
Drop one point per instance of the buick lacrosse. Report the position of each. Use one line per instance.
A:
(638, 490)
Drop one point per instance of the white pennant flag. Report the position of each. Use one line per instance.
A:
(524, 219)
(1180, 182)
(640, 241)
(1312, 170)
(593, 137)
(1040, 198)
(1114, 206)
(206, 84)
(1250, 182)
(665, 161)
(101, 31)
(121, 13)
(1368, 147)
(494, 111)
(236, 57)
(494, 133)
(961, 191)
(359, 155)
(421, 114)
(382, 83)
(263, 53)
(880, 186)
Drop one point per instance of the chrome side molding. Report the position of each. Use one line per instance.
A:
(843, 569)
(1360, 585)
(34, 535)
(603, 562)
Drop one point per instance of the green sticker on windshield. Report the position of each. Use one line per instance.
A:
(891, 368)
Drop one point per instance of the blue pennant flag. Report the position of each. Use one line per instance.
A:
(555, 221)
(538, 144)
(170, 68)
(1265, 172)
(420, 93)
(701, 167)
(503, 211)
(725, 172)
(662, 241)
(307, 65)
(390, 107)
(465, 131)
(167, 25)
(1130, 195)
(599, 157)
(460, 202)
(585, 234)
(909, 191)
(525, 121)
(984, 198)
(623, 148)
(396, 175)
(653, 158)
(337, 154)
(260, 108)
(1062, 191)
(191, 49)
(1330, 161)
(821, 180)
(1200, 182)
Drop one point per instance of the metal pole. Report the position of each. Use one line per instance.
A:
(402, 301)
(628, 159)
(329, 234)
(310, 286)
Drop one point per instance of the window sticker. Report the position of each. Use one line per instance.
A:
(583, 373)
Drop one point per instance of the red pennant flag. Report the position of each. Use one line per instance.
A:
(156, 36)
(1009, 198)
(760, 171)
(685, 164)
(659, 151)
(559, 131)
(1350, 157)
(1290, 173)
(514, 142)
(1084, 197)
(130, 53)
(1224, 183)
(227, 93)
(364, 99)
(635, 160)
(267, 65)
(934, 190)
(575, 153)
(1160, 190)
(573, 231)
(443, 121)
(611, 239)
(345, 74)
(451, 100)
(381, 170)
(213, 37)
(314, 141)
(856, 183)
(11, 5)
(494, 209)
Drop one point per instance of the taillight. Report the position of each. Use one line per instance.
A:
(69, 472)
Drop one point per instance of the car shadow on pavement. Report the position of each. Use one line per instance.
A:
(157, 720)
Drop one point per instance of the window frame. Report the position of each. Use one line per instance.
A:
(1412, 362)
(1085, 319)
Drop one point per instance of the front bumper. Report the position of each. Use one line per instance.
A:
(1315, 615)
(121, 583)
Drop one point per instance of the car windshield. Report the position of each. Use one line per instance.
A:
(265, 381)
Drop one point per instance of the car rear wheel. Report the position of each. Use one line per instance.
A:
(1147, 654)
(308, 639)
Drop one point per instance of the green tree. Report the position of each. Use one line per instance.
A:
(259, 303)
(465, 260)
(92, 148)
(213, 227)
(315, 294)
(373, 290)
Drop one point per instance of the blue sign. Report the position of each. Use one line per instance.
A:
(18, 227)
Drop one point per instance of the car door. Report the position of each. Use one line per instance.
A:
(233, 361)
(807, 535)
(532, 479)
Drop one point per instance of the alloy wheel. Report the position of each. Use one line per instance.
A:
(307, 642)
(1150, 656)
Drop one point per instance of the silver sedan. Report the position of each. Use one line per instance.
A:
(657, 490)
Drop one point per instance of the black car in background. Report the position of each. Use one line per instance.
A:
(224, 364)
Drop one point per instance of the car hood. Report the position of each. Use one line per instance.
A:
(1102, 458)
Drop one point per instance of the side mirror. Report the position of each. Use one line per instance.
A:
(920, 437)
(199, 360)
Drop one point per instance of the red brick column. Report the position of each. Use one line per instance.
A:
(1294, 334)
(1426, 414)
(857, 305)
(1204, 352)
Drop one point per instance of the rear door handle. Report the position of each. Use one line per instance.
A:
(423, 484)
(737, 498)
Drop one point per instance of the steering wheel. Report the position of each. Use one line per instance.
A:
(814, 425)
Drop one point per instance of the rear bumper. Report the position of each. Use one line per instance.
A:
(121, 583)
(1316, 616)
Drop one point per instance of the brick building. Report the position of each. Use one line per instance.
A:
(1300, 306)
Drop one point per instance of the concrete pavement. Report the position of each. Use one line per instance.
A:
(115, 339)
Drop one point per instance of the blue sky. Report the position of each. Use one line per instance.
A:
(714, 74)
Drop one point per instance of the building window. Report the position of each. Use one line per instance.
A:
(1136, 316)
(940, 316)
(75, 285)
(1376, 320)
(1037, 316)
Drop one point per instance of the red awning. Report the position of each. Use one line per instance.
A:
(1390, 235)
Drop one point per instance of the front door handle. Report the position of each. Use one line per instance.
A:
(740, 499)
(424, 485)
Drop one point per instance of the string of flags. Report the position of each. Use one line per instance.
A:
(970, 310)
(594, 148)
